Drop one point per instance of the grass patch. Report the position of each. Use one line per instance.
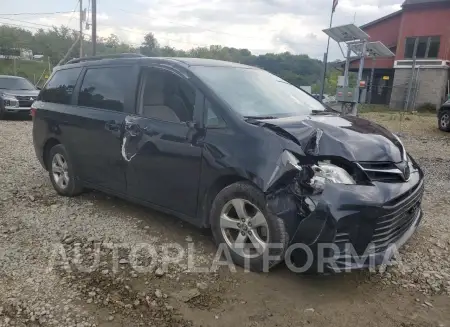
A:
(29, 69)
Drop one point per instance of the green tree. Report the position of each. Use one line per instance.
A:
(150, 46)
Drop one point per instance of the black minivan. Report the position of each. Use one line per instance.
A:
(273, 172)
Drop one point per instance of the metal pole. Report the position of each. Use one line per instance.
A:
(374, 60)
(412, 74)
(324, 70)
(345, 87)
(14, 66)
(325, 59)
(81, 28)
(347, 64)
(360, 72)
(408, 94)
(94, 27)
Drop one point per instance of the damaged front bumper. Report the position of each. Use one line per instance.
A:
(349, 227)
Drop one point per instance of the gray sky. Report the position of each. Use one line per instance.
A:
(258, 25)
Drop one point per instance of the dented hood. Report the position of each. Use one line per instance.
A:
(349, 137)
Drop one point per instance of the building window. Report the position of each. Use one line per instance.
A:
(422, 47)
(433, 47)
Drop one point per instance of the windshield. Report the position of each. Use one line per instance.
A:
(15, 84)
(257, 93)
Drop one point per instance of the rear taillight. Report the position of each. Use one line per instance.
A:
(33, 112)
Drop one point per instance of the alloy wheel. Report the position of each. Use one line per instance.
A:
(244, 228)
(60, 171)
(445, 120)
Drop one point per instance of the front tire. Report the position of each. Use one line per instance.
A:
(240, 219)
(61, 172)
(444, 120)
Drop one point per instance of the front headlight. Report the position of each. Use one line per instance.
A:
(329, 173)
(10, 100)
(318, 175)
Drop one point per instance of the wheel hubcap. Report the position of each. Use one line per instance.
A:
(445, 120)
(60, 171)
(244, 228)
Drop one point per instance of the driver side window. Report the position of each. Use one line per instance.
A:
(212, 119)
(166, 97)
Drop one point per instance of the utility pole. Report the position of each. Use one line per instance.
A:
(94, 27)
(360, 73)
(372, 73)
(325, 56)
(81, 28)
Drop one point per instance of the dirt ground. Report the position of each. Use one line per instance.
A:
(33, 219)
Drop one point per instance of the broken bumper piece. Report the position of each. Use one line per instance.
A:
(354, 227)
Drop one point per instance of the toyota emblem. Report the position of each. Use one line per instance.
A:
(406, 172)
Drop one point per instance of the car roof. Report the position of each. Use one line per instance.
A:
(207, 62)
(11, 77)
(180, 61)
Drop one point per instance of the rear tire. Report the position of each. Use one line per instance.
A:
(444, 120)
(251, 223)
(61, 172)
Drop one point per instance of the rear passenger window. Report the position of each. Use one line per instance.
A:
(60, 87)
(105, 88)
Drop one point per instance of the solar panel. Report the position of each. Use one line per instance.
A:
(378, 49)
(373, 49)
(346, 33)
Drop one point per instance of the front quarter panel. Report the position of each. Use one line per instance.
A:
(250, 153)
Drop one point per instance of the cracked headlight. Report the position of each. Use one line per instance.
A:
(311, 177)
(10, 101)
(328, 173)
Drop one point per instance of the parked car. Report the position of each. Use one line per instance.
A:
(232, 148)
(444, 117)
(16, 95)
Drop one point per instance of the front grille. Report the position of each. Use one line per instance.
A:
(386, 229)
(391, 227)
(386, 172)
(24, 101)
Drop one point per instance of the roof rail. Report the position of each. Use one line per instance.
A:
(112, 56)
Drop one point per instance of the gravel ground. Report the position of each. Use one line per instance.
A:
(40, 288)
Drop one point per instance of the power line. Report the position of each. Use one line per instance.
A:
(32, 23)
(37, 13)
(32, 27)
(114, 26)
(208, 29)
(73, 12)
(16, 25)
(161, 38)
(187, 25)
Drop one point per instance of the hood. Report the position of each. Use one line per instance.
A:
(31, 93)
(349, 137)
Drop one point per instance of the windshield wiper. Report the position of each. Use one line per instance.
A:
(260, 117)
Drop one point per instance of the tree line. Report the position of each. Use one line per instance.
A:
(53, 44)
